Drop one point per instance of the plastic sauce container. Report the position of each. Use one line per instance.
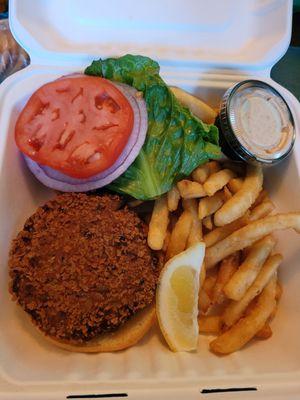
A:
(256, 124)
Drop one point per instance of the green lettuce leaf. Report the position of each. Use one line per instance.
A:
(176, 143)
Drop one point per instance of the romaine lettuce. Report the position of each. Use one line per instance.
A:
(176, 143)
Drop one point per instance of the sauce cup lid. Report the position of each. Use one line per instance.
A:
(257, 123)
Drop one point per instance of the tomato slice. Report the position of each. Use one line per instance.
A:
(77, 125)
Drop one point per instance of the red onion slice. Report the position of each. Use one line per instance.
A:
(59, 181)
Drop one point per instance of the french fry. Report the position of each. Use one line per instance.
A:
(249, 234)
(190, 205)
(250, 307)
(245, 282)
(190, 190)
(241, 201)
(180, 234)
(158, 224)
(207, 222)
(204, 302)
(209, 284)
(273, 313)
(236, 308)
(277, 298)
(196, 230)
(166, 241)
(222, 232)
(196, 106)
(228, 267)
(227, 193)
(217, 181)
(201, 173)
(265, 332)
(214, 167)
(263, 195)
(202, 276)
(173, 199)
(246, 328)
(209, 205)
(243, 278)
(261, 210)
(210, 324)
(235, 184)
(195, 233)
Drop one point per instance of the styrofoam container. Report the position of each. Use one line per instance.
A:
(205, 47)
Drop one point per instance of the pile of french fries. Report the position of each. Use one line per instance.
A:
(225, 205)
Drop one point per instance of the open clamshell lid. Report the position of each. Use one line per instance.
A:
(248, 34)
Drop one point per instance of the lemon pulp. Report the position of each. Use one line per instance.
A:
(177, 298)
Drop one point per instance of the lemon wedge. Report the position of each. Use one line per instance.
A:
(177, 298)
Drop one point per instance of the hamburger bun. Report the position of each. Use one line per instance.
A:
(129, 334)
(82, 269)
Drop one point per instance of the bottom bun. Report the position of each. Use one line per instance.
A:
(127, 335)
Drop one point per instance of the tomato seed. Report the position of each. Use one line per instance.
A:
(95, 157)
(64, 139)
(79, 94)
(55, 114)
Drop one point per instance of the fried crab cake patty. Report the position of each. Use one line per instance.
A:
(81, 266)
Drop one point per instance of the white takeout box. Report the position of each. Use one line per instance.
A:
(203, 46)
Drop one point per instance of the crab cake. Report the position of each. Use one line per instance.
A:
(81, 267)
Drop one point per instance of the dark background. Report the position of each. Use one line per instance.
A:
(287, 70)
